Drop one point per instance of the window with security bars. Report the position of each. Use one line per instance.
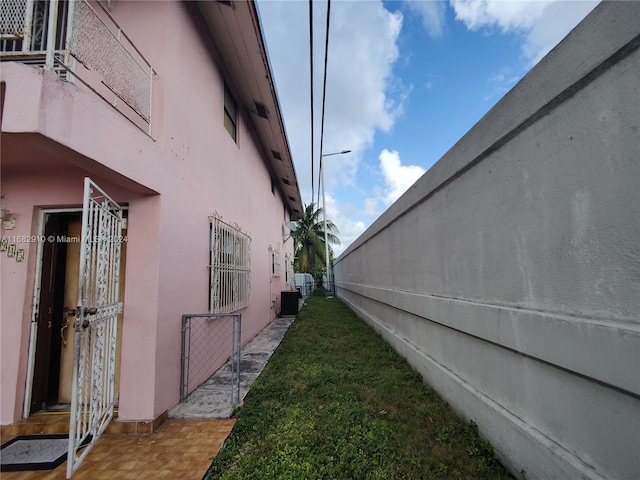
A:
(275, 263)
(230, 266)
(288, 269)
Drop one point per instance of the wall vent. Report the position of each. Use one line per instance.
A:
(261, 110)
(276, 155)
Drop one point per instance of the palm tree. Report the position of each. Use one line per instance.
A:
(309, 249)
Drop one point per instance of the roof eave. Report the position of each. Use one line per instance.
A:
(235, 29)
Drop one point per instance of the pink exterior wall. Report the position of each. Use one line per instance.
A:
(171, 185)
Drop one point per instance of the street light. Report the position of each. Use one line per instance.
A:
(324, 212)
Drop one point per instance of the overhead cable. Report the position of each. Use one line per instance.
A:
(311, 86)
(324, 92)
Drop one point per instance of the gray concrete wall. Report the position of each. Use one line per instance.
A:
(509, 274)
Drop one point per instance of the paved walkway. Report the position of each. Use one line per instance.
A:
(212, 399)
(178, 450)
(183, 446)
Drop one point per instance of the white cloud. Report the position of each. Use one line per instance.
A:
(507, 15)
(543, 22)
(557, 21)
(349, 229)
(362, 97)
(432, 13)
(371, 208)
(398, 178)
(362, 94)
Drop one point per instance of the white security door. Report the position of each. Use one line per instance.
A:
(95, 324)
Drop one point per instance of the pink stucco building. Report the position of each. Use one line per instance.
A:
(170, 108)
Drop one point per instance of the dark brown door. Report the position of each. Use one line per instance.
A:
(53, 366)
(50, 314)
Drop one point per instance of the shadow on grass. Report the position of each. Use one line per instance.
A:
(336, 402)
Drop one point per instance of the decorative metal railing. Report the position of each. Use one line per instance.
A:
(80, 40)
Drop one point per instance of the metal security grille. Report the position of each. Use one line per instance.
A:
(208, 340)
(230, 264)
(100, 48)
(13, 18)
(80, 40)
(96, 323)
(33, 31)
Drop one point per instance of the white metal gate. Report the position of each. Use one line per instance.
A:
(96, 323)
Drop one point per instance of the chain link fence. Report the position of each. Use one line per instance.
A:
(208, 341)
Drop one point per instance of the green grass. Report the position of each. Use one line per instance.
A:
(336, 402)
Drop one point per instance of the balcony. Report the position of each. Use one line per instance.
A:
(83, 44)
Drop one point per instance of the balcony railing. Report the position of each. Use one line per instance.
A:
(80, 40)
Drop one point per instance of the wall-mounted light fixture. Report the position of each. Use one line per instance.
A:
(8, 221)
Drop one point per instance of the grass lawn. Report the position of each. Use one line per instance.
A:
(336, 402)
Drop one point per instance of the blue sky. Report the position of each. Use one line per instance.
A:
(405, 81)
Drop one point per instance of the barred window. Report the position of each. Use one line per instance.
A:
(288, 269)
(275, 263)
(230, 265)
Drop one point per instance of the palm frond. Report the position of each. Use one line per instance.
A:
(309, 239)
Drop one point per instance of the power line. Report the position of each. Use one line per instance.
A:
(324, 92)
(311, 86)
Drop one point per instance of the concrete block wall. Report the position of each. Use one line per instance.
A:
(509, 274)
